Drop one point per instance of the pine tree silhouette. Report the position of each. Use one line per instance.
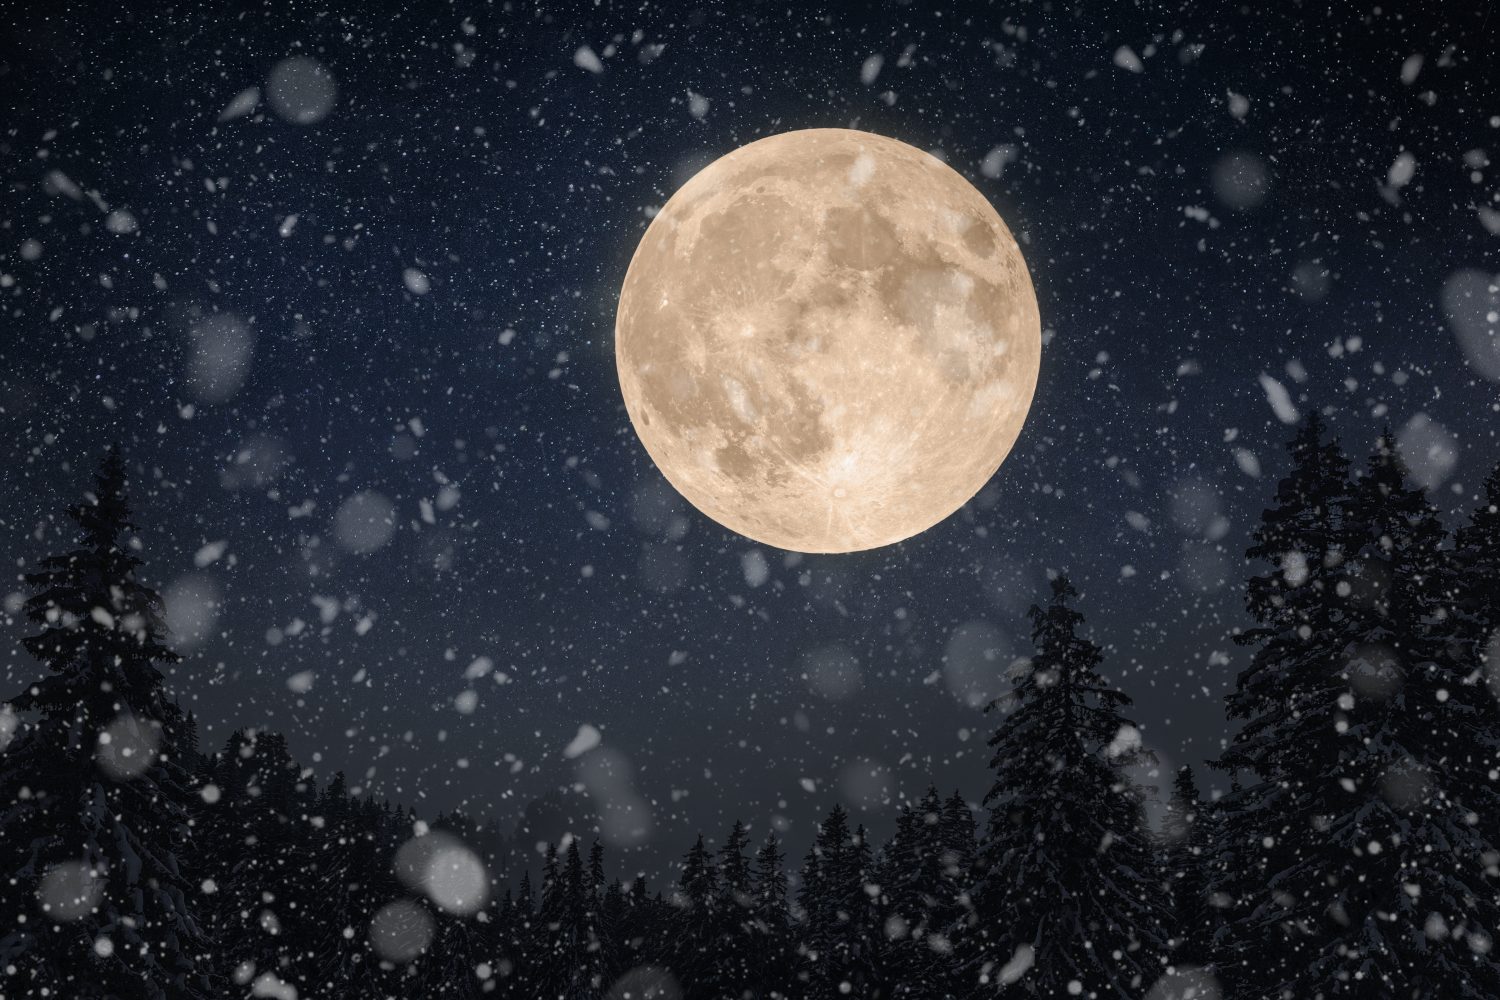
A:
(1476, 631)
(697, 919)
(839, 916)
(1185, 830)
(732, 947)
(769, 946)
(1066, 902)
(1359, 869)
(957, 854)
(924, 873)
(1303, 540)
(96, 799)
(257, 841)
(351, 882)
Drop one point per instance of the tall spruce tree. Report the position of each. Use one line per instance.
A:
(1302, 540)
(1360, 869)
(1476, 629)
(94, 796)
(352, 880)
(463, 943)
(957, 856)
(1186, 855)
(923, 873)
(1477, 560)
(734, 869)
(697, 919)
(733, 917)
(1066, 903)
(770, 945)
(548, 972)
(517, 936)
(901, 912)
(839, 916)
(577, 956)
(260, 852)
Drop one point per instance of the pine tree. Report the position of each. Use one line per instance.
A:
(616, 932)
(260, 851)
(552, 907)
(1477, 556)
(957, 846)
(904, 899)
(461, 943)
(346, 860)
(1409, 743)
(550, 954)
(517, 941)
(187, 744)
(699, 881)
(573, 961)
(575, 885)
(1185, 861)
(733, 917)
(770, 881)
(696, 920)
(1066, 903)
(915, 917)
(1303, 540)
(734, 869)
(95, 796)
(1366, 870)
(596, 869)
(770, 946)
(1476, 607)
(839, 916)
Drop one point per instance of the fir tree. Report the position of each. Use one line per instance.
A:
(770, 948)
(957, 846)
(904, 899)
(1477, 555)
(573, 958)
(517, 936)
(770, 881)
(551, 955)
(699, 882)
(351, 882)
(1476, 629)
(596, 870)
(838, 915)
(1066, 903)
(734, 869)
(696, 922)
(95, 796)
(615, 932)
(1303, 540)
(1185, 860)
(912, 944)
(733, 917)
(1366, 870)
(258, 853)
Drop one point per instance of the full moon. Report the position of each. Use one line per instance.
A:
(827, 340)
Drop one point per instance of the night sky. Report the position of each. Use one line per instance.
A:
(383, 281)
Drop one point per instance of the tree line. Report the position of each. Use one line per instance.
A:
(1354, 855)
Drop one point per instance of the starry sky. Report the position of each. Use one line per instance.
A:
(342, 284)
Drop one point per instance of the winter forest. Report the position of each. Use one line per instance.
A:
(1354, 856)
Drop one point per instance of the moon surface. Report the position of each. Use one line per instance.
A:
(827, 340)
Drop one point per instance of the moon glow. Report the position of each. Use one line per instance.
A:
(827, 340)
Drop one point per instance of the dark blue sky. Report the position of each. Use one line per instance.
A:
(390, 274)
